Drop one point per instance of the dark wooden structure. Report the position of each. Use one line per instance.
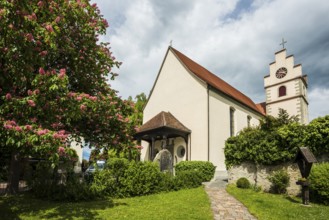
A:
(305, 160)
(164, 126)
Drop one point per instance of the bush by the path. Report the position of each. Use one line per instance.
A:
(243, 183)
(205, 169)
(319, 179)
(123, 178)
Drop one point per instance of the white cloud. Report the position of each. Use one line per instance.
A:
(235, 43)
(318, 99)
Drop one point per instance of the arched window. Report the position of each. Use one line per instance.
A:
(232, 110)
(282, 91)
(248, 120)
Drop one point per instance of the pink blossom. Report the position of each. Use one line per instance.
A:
(42, 132)
(139, 147)
(57, 19)
(40, 4)
(43, 53)
(29, 37)
(63, 70)
(37, 91)
(79, 98)
(8, 96)
(33, 120)
(104, 21)
(93, 98)
(82, 107)
(7, 126)
(60, 135)
(34, 16)
(18, 128)
(29, 92)
(41, 71)
(62, 73)
(71, 94)
(31, 103)
(61, 151)
(28, 127)
(49, 28)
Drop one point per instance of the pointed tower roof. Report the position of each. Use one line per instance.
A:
(215, 82)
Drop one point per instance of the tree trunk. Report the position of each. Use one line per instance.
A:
(14, 172)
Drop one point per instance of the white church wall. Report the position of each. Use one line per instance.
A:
(185, 96)
(219, 125)
(290, 106)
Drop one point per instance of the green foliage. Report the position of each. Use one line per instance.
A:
(280, 181)
(186, 179)
(123, 178)
(317, 135)
(243, 183)
(273, 207)
(142, 178)
(319, 177)
(206, 169)
(140, 102)
(53, 81)
(65, 185)
(276, 140)
(183, 204)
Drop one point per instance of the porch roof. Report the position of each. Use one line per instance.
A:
(162, 125)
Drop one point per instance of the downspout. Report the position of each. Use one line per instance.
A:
(208, 118)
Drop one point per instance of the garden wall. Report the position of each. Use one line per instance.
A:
(258, 174)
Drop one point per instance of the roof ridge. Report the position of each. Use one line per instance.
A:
(164, 118)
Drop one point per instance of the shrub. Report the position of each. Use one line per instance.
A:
(49, 183)
(188, 179)
(142, 178)
(243, 183)
(280, 181)
(319, 187)
(123, 178)
(206, 169)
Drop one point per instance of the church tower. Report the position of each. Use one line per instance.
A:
(286, 87)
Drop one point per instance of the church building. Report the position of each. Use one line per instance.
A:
(191, 112)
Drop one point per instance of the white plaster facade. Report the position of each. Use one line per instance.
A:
(205, 106)
(185, 96)
(204, 111)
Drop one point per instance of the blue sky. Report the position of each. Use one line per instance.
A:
(235, 40)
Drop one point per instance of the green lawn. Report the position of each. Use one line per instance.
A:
(267, 206)
(183, 204)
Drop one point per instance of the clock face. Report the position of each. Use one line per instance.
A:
(281, 72)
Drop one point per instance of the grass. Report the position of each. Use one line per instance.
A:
(183, 204)
(269, 206)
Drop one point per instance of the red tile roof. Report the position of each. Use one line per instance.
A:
(262, 107)
(163, 119)
(215, 81)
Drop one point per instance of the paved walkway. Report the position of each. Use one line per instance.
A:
(225, 206)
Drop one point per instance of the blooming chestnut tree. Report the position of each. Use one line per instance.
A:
(53, 82)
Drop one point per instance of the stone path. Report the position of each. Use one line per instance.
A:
(225, 206)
